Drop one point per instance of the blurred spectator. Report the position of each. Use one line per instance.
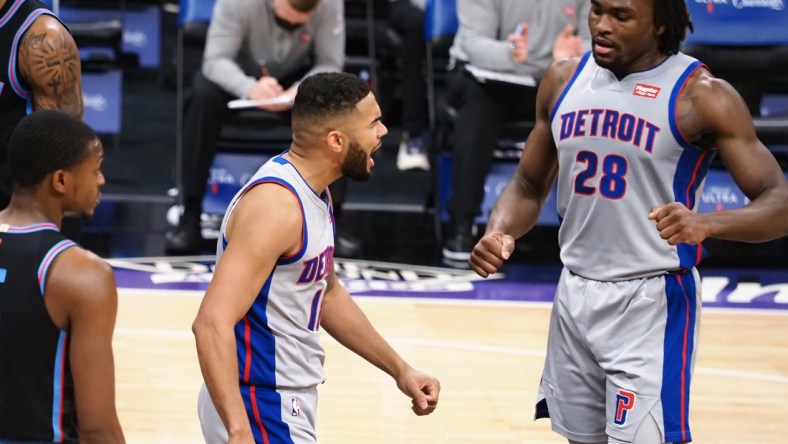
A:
(516, 37)
(407, 19)
(255, 49)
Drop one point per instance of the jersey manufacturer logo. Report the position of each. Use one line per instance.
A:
(643, 90)
(625, 401)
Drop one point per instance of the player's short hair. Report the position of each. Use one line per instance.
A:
(44, 142)
(674, 16)
(326, 97)
(304, 5)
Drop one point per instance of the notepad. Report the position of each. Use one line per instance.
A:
(249, 103)
(483, 75)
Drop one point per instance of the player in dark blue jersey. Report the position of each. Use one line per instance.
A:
(58, 302)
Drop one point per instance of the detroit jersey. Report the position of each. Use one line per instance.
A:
(278, 338)
(36, 391)
(16, 99)
(620, 153)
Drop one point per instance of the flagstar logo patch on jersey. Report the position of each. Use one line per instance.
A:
(646, 91)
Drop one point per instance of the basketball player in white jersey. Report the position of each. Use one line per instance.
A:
(274, 287)
(628, 132)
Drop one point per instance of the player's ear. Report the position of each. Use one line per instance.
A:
(59, 180)
(660, 30)
(336, 140)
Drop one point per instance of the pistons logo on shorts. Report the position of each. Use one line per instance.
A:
(296, 407)
(625, 401)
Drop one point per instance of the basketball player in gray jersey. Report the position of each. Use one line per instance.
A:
(628, 131)
(258, 327)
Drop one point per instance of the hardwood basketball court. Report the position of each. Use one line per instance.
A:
(487, 355)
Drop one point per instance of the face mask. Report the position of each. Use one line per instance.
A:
(284, 24)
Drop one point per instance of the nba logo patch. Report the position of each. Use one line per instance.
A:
(644, 90)
(625, 401)
(296, 407)
(305, 37)
(569, 11)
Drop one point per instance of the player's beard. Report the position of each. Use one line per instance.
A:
(355, 165)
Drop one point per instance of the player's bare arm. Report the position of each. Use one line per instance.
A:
(712, 115)
(517, 208)
(49, 61)
(81, 297)
(343, 319)
(264, 226)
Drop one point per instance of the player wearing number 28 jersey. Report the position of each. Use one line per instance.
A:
(621, 154)
(628, 132)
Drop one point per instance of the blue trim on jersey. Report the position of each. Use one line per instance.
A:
(262, 357)
(11, 11)
(304, 229)
(690, 171)
(679, 346)
(15, 85)
(57, 390)
(674, 96)
(3, 273)
(268, 404)
(53, 252)
(32, 228)
(304, 233)
(282, 161)
(568, 86)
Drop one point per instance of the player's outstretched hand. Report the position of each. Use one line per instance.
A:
(677, 224)
(422, 389)
(490, 252)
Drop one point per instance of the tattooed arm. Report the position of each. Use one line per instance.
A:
(49, 62)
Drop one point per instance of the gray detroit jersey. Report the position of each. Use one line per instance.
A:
(620, 153)
(278, 338)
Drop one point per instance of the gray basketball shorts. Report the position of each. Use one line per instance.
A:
(276, 416)
(618, 351)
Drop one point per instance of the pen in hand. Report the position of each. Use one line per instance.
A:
(517, 31)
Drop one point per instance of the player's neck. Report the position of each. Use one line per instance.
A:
(315, 172)
(26, 210)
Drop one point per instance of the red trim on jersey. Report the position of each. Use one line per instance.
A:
(248, 344)
(684, 364)
(257, 415)
(695, 174)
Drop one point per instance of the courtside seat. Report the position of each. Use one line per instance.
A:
(752, 54)
(440, 26)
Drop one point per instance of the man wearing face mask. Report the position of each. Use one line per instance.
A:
(255, 49)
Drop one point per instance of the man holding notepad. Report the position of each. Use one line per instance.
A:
(256, 54)
(499, 54)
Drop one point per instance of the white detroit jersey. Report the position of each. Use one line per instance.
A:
(620, 153)
(278, 338)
